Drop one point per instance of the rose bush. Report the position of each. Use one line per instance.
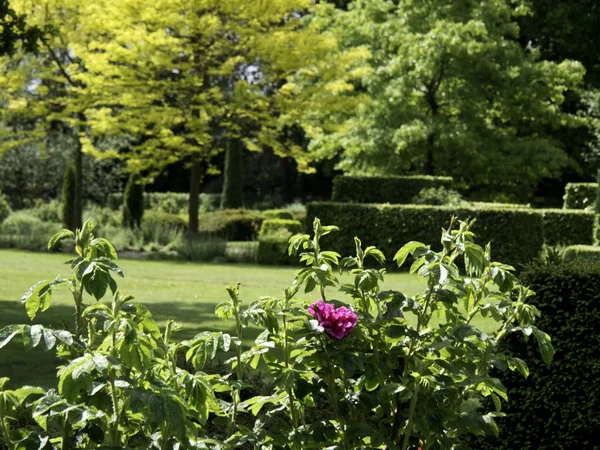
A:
(377, 369)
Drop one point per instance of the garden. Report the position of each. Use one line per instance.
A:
(298, 224)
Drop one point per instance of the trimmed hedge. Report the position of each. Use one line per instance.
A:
(166, 220)
(557, 406)
(580, 195)
(582, 253)
(273, 249)
(169, 202)
(568, 227)
(394, 190)
(231, 224)
(516, 234)
(278, 214)
(272, 226)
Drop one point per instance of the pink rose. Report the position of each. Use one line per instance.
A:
(337, 322)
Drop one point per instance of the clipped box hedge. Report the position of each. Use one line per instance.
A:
(557, 406)
(516, 234)
(395, 190)
(273, 250)
(580, 195)
(582, 253)
(568, 227)
(273, 226)
(278, 214)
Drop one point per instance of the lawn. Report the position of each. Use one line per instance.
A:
(186, 292)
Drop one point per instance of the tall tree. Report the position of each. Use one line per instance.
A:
(453, 93)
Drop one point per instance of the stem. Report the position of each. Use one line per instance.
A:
(332, 394)
(6, 433)
(238, 368)
(115, 438)
(411, 414)
(78, 297)
(290, 391)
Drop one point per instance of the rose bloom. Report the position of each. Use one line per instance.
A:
(337, 322)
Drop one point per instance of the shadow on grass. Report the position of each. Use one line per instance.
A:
(38, 368)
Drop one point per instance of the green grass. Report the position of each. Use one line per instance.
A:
(186, 292)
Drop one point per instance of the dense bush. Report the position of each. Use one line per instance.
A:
(24, 231)
(580, 195)
(557, 406)
(582, 253)
(231, 224)
(47, 210)
(273, 226)
(278, 214)
(395, 190)
(165, 220)
(210, 202)
(133, 202)
(169, 202)
(388, 226)
(350, 373)
(567, 227)
(438, 196)
(4, 207)
(273, 249)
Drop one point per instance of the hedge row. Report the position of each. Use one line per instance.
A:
(273, 226)
(516, 234)
(582, 253)
(395, 190)
(580, 195)
(557, 406)
(567, 227)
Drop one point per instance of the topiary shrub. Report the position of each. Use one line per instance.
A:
(4, 207)
(133, 202)
(166, 220)
(272, 226)
(557, 406)
(69, 213)
(580, 195)
(438, 196)
(582, 253)
(395, 190)
(278, 214)
(567, 227)
(231, 224)
(388, 226)
(273, 249)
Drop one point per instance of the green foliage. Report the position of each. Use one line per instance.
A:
(556, 405)
(582, 253)
(391, 189)
(233, 177)
(133, 202)
(15, 32)
(47, 210)
(387, 226)
(191, 248)
(168, 202)
(166, 220)
(580, 195)
(68, 197)
(439, 196)
(567, 227)
(278, 214)
(25, 231)
(209, 202)
(273, 248)
(597, 203)
(4, 207)
(273, 226)
(231, 224)
(452, 94)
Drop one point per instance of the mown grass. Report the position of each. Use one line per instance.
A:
(186, 292)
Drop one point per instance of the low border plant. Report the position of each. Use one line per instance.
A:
(362, 367)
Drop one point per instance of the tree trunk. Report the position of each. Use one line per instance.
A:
(194, 202)
(78, 200)
(287, 180)
(233, 195)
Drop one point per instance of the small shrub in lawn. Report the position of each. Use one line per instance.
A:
(22, 230)
(273, 248)
(271, 226)
(231, 224)
(278, 214)
(4, 207)
(347, 371)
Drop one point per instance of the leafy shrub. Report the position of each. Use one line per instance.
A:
(133, 202)
(438, 196)
(200, 248)
(47, 210)
(169, 221)
(582, 253)
(210, 202)
(271, 226)
(580, 195)
(4, 207)
(123, 238)
(349, 375)
(395, 190)
(169, 202)
(24, 231)
(231, 224)
(557, 406)
(103, 216)
(387, 226)
(278, 214)
(568, 227)
(115, 201)
(273, 248)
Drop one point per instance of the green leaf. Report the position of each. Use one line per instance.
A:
(407, 249)
(62, 234)
(545, 345)
(9, 332)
